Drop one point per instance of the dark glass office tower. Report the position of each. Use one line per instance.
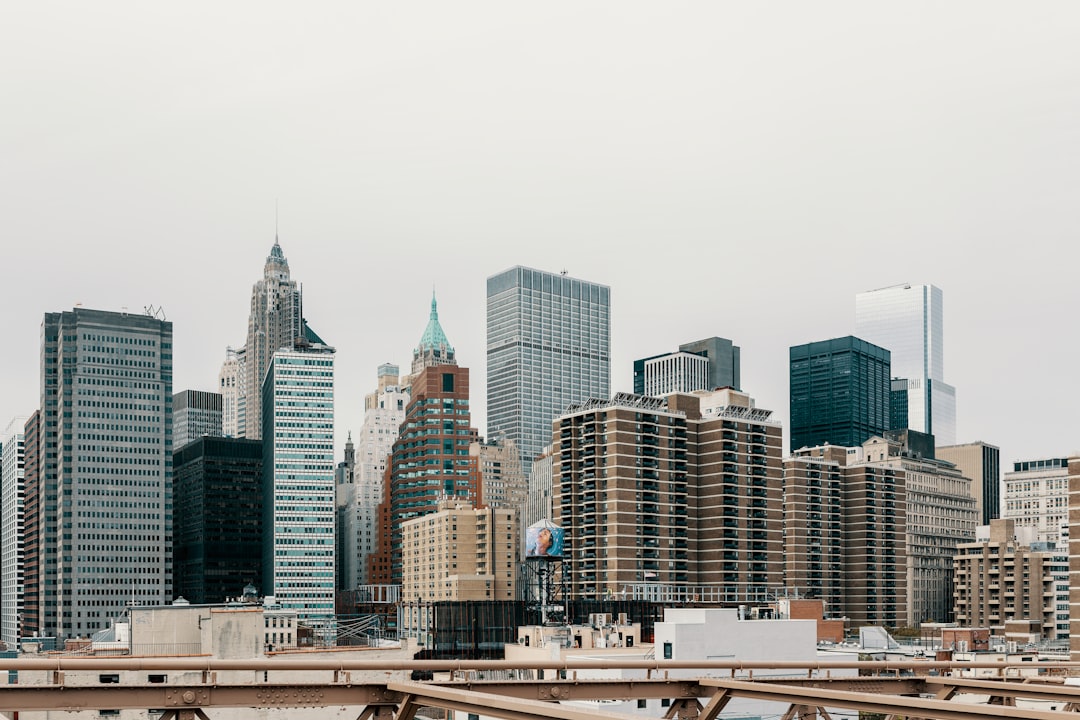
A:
(840, 392)
(217, 518)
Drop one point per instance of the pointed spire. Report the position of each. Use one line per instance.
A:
(434, 348)
(276, 264)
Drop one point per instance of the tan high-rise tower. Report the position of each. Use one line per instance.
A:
(275, 322)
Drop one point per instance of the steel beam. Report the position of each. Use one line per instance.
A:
(500, 706)
(585, 689)
(889, 705)
(121, 697)
(1011, 688)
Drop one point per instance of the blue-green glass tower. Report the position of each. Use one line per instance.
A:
(840, 392)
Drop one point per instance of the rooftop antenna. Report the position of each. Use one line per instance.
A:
(275, 220)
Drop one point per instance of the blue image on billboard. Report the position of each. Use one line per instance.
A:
(544, 541)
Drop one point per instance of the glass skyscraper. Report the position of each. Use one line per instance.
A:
(840, 392)
(548, 345)
(298, 481)
(104, 484)
(908, 321)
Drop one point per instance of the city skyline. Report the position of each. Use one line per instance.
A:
(747, 189)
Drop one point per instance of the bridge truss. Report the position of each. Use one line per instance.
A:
(892, 691)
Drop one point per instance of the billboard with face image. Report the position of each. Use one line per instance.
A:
(544, 541)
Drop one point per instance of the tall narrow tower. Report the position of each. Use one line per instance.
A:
(105, 537)
(12, 548)
(548, 345)
(908, 321)
(298, 480)
(430, 459)
(275, 323)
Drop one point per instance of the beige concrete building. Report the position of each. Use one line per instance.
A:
(982, 463)
(539, 496)
(940, 511)
(680, 494)
(1000, 579)
(219, 632)
(502, 480)
(1074, 557)
(1036, 495)
(845, 536)
(461, 553)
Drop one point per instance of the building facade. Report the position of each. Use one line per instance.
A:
(908, 320)
(548, 345)
(31, 621)
(702, 365)
(845, 536)
(12, 529)
(196, 413)
(1074, 557)
(298, 481)
(232, 386)
(682, 493)
(940, 516)
(502, 481)
(840, 392)
(430, 457)
(999, 578)
(982, 463)
(1036, 496)
(275, 322)
(383, 414)
(461, 552)
(538, 503)
(217, 519)
(106, 440)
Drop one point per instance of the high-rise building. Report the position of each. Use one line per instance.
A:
(195, 413)
(683, 492)
(32, 610)
(430, 458)
(298, 480)
(548, 345)
(845, 536)
(275, 322)
(344, 482)
(502, 480)
(982, 463)
(538, 505)
(12, 543)
(1001, 577)
(501, 477)
(383, 414)
(702, 365)
(105, 514)
(940, 511)
(1074, 554)
(839, 392)
(1036, 496)
(217, 518)
(461, 552)
(908, 321)
(232, 386)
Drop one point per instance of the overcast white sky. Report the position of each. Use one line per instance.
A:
(734, 169)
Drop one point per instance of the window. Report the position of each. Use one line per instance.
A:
(667, 651)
